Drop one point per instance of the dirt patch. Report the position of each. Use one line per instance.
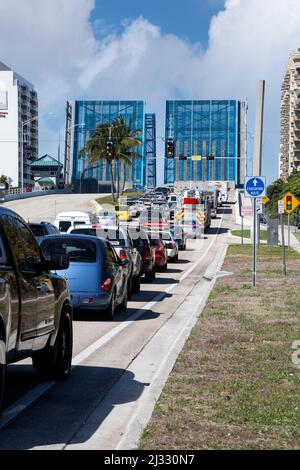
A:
(234, 385)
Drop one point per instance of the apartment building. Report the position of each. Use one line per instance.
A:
(18, 127)
(289, 157)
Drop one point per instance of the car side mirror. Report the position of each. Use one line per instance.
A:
(58, 262)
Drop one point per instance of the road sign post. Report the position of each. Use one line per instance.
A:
(281, 213)
(255, 187)
(254, 244)
(259, 211)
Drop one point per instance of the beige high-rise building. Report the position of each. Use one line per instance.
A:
(289, 157)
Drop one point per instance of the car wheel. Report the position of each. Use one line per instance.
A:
(150, 276)
(2, 371)
(176, 258)
(110, 311)
(56, 361)
(136, 285)
(123, 305)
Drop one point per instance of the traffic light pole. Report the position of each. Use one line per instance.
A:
(289, 231)
(283, 244)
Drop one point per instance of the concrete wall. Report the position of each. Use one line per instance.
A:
(15, 197)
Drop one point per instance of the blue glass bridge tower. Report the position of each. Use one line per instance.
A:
(205, 128)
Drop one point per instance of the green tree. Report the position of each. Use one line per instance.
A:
(293, 184)
(279, 188)
(3, 179)
(126, 141)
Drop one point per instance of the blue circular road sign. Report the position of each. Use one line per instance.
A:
(255, 187)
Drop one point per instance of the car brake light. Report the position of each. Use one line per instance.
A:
(122, 255)
(107, 284)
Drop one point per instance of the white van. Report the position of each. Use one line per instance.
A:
(65, 220)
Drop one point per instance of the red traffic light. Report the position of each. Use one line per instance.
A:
(182, 157)
(289, 203)
(210, 157)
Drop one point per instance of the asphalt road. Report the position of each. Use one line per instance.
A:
(42, 415)
(45, 208)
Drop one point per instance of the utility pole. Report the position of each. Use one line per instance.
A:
(258, 140)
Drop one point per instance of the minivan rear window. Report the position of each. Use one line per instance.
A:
(79, 251)
(64, 226)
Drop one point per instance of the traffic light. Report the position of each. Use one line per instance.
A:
(170, 148)
(182, 157)
(289, 203)
(210, 157)
(110, 149)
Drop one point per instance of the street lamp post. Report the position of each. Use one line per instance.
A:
(24, 123)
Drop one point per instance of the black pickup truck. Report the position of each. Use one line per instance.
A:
(35, 311)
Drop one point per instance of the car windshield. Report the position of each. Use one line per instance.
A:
(79, 251)
(37, 230)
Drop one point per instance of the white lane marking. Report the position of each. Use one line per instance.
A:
(30, 397)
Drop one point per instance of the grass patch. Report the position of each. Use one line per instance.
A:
(247, 234)
(234, 385)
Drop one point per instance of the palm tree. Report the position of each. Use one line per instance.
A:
(125, 142)
(96, 148)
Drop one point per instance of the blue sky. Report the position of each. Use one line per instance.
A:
(188, 19)
(152, 50)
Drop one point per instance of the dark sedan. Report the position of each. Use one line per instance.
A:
(142, 243)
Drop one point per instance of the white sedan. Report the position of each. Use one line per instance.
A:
(106, 218)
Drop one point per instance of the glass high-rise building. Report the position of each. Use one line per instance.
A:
(202, 128)
(81, 120)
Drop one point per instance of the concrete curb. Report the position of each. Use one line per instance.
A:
(95, 206)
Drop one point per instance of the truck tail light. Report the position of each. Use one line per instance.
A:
(122, 255)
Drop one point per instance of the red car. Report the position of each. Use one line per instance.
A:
(161, 255)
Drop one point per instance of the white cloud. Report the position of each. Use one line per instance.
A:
(53, 45)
